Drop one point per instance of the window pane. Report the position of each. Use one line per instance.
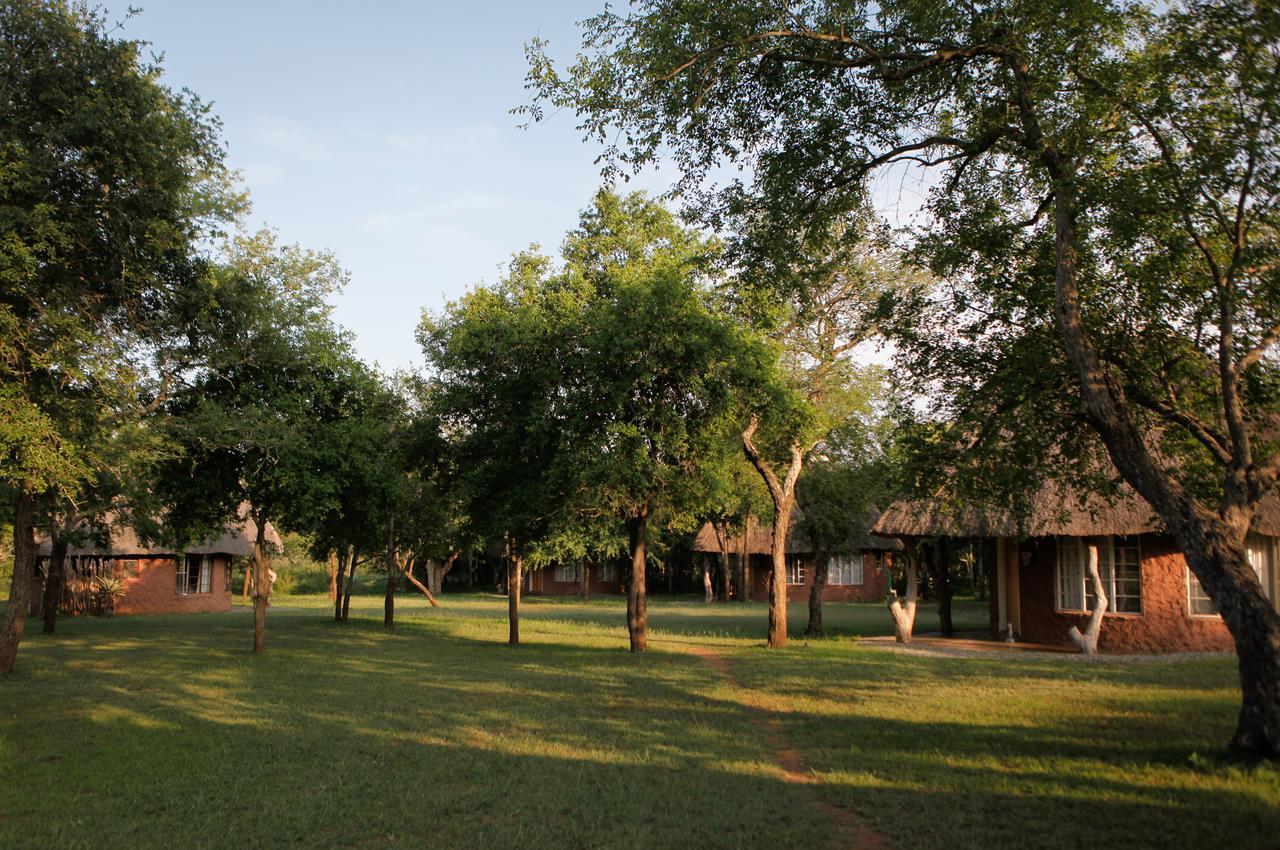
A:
(1126, 588)
(1259, 549)
(1197, 600)
(1070, 575)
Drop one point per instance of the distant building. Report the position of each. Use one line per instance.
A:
(152, 579)
(562, 580)
(858, 568)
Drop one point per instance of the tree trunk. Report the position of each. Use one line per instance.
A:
(783, 494)
(333, 577)
(1087, 643)
(637, 604)
(393, 567)
(53, 582)
(1213, 542)
(778, 579)
(24, 565)
(743, 591)
(261, 588)
(708, 593)
(942, 581)
(722, 538)
(248, 576)
(426, 591)
(351, 583)
(584, 580)
(342, 558)
(514, 576)
(904, 615)
(815, 595)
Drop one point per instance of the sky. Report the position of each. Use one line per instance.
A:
(382, 132)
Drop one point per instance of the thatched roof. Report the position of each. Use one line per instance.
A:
(1054, 510)
(236, 539)
(760, 540)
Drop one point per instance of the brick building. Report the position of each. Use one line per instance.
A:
(1039, 576)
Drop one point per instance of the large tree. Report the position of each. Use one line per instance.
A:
(497, 393)
(654, 375)
(110, 179)
(618, 370)
(1104, 202)
(252, 426)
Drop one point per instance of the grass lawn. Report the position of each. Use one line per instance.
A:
(164, 731)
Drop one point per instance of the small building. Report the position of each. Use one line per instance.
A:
(562, 580)
(858, 569)
(148, 579)
(1039, 582)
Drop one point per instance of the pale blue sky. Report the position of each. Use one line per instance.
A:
(381, 131)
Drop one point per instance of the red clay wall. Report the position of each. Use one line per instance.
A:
(1165, 625)
(874, 587)
(153, 590)
(543, 583)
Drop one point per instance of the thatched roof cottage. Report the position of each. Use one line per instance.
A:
(152, 579)
(1039, 584)
(857, 569)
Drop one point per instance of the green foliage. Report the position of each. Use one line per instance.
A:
(603, 389)
(1161, 118)
(108, 179)
(255, 424)
(852, 475)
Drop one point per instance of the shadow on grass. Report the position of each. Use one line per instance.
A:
(155, 731)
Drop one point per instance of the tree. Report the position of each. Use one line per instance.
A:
(497, 393)
(617, 371)
(1103, 207)
(818, 292)
(844, 486)
(654, 375)
(251, 426)
(110, 180)
(734, 494)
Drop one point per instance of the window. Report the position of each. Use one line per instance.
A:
(1119, 564)
(195, 574)
(607, 572)
(795, 571)
(1198, 602)
(1260, 558)
(567, 573)
(845, 569)
(1261, 553)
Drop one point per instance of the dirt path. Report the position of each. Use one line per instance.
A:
(851, 831)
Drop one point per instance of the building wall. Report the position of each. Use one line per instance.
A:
(874, 587)
(152, 589)
(1165, 624)
(543, 583)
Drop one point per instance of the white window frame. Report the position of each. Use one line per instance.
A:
(845, 570)
(1078, 549)
(204, 576)
(795, 571)
(566, 573)
(1263, 556)
(607, 572)
(1193, 584)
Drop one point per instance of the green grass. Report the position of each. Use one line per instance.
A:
(164, 731)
